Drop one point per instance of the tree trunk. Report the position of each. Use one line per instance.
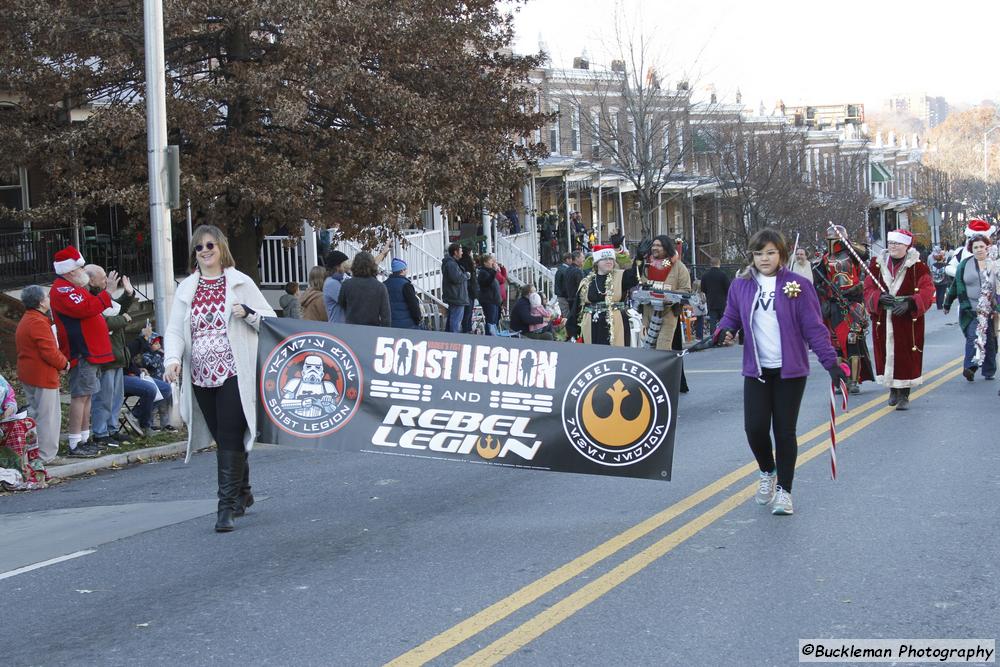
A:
(244, 245)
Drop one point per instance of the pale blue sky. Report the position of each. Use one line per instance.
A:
(799, 51)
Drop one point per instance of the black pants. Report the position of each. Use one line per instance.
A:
(939, 292)
(678, 344)
(713, 319)
(773, 403)
(223, 413)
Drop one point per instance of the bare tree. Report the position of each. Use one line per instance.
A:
(636, 124)
(841, 195)
(937, 190)
(759, 167)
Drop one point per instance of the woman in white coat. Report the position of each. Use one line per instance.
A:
(211, 347)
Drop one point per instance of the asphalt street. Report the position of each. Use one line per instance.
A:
(361, 559)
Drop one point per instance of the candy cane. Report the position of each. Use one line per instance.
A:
(833, 424)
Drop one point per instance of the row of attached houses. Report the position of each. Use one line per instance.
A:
(584, 174)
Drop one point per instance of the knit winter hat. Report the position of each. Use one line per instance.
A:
(66, 260)
(397, 265)
(335, 258)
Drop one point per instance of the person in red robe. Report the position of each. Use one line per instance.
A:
(898, 291)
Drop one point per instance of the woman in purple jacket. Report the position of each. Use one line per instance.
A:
(779, 315)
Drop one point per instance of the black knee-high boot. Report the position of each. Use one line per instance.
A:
(230, 465)
(246, 495)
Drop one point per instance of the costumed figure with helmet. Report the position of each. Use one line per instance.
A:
(976, 227)
(898, 291)
(839, 282)
(601, 306)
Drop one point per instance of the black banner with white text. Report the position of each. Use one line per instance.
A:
(480, 399)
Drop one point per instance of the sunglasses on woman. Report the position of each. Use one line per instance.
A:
(207, 246)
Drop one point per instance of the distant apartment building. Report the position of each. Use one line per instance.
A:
(930, 110)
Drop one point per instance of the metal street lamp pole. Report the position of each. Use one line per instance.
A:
(156, 146)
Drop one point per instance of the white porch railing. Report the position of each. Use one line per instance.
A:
(281, 264)
(516, 253)
(422, 250)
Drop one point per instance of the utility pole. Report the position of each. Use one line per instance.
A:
(156, 146)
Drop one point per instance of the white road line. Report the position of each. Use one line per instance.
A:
(44, 563)
(735, 370)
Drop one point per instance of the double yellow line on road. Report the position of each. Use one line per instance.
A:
(560, 611)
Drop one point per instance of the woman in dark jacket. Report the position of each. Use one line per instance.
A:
(468, 264)
(404, 306)
(364, 298)
(489, 292)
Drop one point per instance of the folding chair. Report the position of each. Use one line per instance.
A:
(127, 421)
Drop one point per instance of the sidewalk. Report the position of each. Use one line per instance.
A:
(63, 468)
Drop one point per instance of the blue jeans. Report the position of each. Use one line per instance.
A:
(990, 360)
(455, 315)
(467, 316)
(106, 404)
(491, 314)
(135, 386)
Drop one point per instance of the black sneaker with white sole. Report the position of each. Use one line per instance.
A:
(84, 451)
(106, 441)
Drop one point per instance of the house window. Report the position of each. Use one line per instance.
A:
(666, 141)
(595, 132)
(616, 127)
(575, 130)
(538, 108)
(14, 188)
(554, 131)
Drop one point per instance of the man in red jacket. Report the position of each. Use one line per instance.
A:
(83, 339)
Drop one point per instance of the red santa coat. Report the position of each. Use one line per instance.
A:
(80, 326)
(898, 342)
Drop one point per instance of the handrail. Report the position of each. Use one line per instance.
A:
(532, 271)
(528, 259)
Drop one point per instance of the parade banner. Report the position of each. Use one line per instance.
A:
(478, 399)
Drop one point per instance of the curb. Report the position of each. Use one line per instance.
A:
(111, 460)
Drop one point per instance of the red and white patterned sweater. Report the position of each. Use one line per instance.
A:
(212, 361)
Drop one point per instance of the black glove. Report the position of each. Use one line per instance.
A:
(720, 335)
(887, 301)
(902, 307)
(645, 246)
(837, 375)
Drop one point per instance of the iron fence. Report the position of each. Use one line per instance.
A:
(26, 257)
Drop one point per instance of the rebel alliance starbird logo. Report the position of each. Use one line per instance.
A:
(615, 430)
(616, 412)
(311, 385)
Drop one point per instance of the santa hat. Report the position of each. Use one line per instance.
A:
(67, 259)
(603, 252)
(903, 236)
(979, 227)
